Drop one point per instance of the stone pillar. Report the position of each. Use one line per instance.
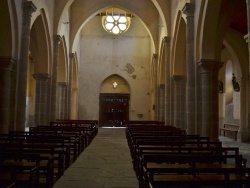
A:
(245, 135)
(74, 104)
(172, 101)
(41, 99)
(53, 96)
(61, 100)
(22, 66)
(65, 101)
(180, 101)
(191, 72)
(5, 90)
(161, 90)
(209, 70)
(48, 106)
(167, 108)
(72, 59)
(155, 66)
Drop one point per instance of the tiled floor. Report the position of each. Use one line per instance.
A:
(106, 163)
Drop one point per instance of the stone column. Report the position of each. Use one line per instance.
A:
(245, 135)
(48, 106)
(190, 94)
(41, 99)
(167, 108)
(5, 90)
(180, 101)
(172, 101)
(65, 101)
(22, 66)
(61, 99)
(74, 104)
(72, 59)
(155, 66)
(53, 96)
(161, 90)
(209, 70)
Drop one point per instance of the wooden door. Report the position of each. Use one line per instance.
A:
(114, 109)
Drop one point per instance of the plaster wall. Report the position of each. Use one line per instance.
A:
(127, 55)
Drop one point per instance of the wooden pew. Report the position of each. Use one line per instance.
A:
(172, 170)
(144, 122)
(46, 161)
(62, 142)
(19, 169)
(229, 128)
(90, 126)
(57, 147)
(164, 144)
(83, 136)
(210, 150)
(78, 121)
(75, 139)
(148, 143)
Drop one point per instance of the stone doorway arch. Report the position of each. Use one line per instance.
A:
(114, 102)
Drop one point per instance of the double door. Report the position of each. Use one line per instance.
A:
(114, 109)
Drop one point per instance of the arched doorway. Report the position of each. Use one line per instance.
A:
(114, 102)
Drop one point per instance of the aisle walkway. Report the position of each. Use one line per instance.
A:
(106, 163)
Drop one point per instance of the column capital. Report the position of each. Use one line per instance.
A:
(188, 9)
(74, 89)
(72, 55)
(166, 40)
(28, 7)
(246, 37)
(179, 79)
(41, 76)
(161, 85)
(62, 84)
(58, 39)
(155, 56)
(7, 62)
(210, 65)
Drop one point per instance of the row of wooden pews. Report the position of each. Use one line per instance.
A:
(165, 156)
(38, 157)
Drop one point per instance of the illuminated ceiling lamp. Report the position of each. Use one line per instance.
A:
(116, 21)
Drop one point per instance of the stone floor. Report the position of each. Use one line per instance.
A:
(106, 163)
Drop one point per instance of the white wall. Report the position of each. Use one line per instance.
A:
(102, 54)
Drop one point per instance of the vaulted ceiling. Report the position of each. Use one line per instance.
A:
(239, 19)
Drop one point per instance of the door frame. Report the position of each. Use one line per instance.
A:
(113, 96)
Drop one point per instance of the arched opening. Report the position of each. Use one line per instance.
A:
(114, 101)
(38, 74)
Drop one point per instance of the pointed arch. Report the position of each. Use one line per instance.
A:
(90, 9)
(62, 74)
(40, 44)
(114, 84)
(161, 68)
(179, 47)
